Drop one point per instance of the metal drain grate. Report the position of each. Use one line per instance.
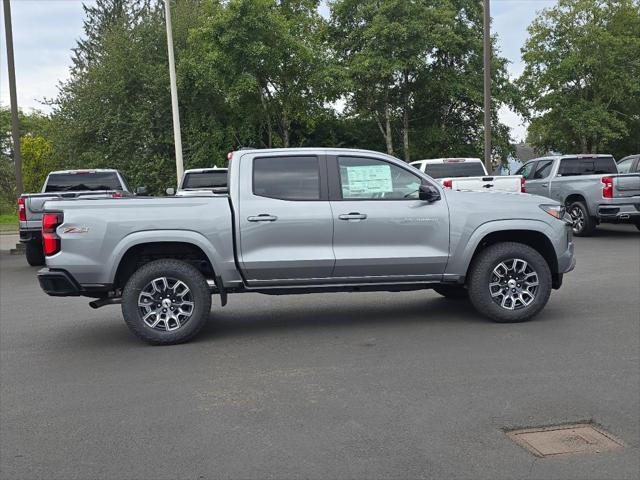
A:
(564, 440)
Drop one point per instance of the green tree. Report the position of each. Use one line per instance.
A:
(419, 65)
(581, 77)
(267, 58)
(37, 161)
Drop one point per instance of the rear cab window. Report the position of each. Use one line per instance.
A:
(576, 166)
(287, 178)
(209, 179)
(82, 181)
(454, 169)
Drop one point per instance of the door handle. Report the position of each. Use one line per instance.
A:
(263, 217)
(544, 184)
(352, 216)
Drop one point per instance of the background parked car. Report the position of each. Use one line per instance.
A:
(61, 185)
(468, 174)
(197, 181)
(589, 186)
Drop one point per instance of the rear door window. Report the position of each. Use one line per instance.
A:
(211, 179)
(287, 178)
(454, 169)
(82, 181)
(587, 166)
(625, 165)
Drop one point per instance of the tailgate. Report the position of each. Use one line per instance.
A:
(626, 186)
(509, 183)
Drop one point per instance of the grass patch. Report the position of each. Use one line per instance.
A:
(9, 218)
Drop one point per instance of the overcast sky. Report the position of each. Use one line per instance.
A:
(45, 31)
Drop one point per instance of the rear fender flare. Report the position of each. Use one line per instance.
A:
(155, 236)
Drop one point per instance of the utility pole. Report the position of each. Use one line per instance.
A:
(177, 137)
(15, 122)
(487, 86)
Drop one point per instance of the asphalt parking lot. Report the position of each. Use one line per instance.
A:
(367, 385)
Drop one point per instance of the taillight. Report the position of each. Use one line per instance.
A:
(50, 239)
(116, 195)
(447, 183)
(607, 187)
(22, 213)
(523, 189)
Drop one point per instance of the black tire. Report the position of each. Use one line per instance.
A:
(583, 224)
(34, 254)
(482, 275)
(453, 292)
(176, 270)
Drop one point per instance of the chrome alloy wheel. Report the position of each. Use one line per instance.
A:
(165, 304)
(514, 284)
(577, 215)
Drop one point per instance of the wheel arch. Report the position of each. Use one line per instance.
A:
(137, 249)
(534, 233)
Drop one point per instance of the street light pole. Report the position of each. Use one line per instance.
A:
(174, 94)
(487, 85)
(13, 98)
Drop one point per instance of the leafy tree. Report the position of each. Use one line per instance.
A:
(581, 78)
(420, 62)
(266, 59)
(37, 161)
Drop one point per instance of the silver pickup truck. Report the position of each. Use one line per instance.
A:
(60, 185)
(589, 186)
(301, 221)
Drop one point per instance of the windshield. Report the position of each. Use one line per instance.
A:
(447, 170)
(209, 179)
(82, 181)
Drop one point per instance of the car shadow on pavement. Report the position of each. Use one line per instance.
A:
(228, 322)
(614, 231)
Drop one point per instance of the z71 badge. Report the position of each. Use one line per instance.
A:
(75, 230)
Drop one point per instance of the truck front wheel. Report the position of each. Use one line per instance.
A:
(509, 282)
(34, 254)
(166, 302)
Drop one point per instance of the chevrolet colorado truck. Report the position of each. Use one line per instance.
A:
(468, 174)
(589, 186)
(301, 221)
(61, 185)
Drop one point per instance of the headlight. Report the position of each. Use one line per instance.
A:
(556, 211)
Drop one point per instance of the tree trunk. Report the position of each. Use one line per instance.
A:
(285, 130)
(583, 144)
(387, 123)
(405, 117)
(265, 108)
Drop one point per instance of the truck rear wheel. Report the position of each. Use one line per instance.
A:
(509, 282)
(34, 254)
(166, 302)
(583, 224)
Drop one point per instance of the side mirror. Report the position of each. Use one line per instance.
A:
(428, 193)
(170, 191)
(141, 190)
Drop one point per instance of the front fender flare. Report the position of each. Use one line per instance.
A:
(466, 245)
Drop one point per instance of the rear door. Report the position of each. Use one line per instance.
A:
(382, 231)
(285, 220)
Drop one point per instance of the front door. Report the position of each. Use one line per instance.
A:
(286, 226)
(382, 231)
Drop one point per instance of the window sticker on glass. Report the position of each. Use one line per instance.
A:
(367, 180)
